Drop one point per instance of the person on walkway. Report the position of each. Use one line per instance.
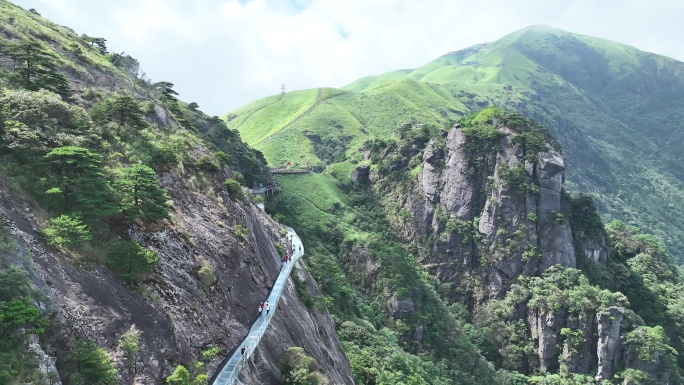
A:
(268, 308)
(242, 351)
(261, 307)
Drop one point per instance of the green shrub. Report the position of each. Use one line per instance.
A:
(210, 353)
(299, 369)
(180, 376)
(130, 260)
(92, 365)
(163, 156)
(67, 230)
(142, 197)
(206, 163)
(207, 275)
(129, 342)
(222, 157)
(233, 187)
(239, 177)
(241, 232)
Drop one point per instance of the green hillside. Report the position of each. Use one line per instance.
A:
(615, 110)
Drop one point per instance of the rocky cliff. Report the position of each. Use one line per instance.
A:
(218, 253)
(484, 202)
(486, 199)
(178, 314)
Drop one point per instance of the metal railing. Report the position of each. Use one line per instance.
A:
(261, 190)
(230, 371)
(291, 170)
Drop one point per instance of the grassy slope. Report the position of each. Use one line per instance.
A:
(615, 109)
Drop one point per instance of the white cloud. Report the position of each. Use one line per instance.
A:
(226, 53)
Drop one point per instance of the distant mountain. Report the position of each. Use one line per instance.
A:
(616, 111)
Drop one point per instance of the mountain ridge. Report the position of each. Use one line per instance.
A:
(605, 101)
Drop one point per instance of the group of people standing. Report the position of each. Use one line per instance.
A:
(287, 258)
(264, 309)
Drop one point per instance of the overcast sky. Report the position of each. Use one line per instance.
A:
(223, 54)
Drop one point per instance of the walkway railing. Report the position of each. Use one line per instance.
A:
(261, 190)
(230, 371)
(291, 170)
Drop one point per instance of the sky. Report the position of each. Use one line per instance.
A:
(223, 54)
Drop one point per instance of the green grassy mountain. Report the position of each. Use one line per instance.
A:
(615, 110)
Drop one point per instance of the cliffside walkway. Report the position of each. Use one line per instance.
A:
(230, 371)
(291, 170)
(262, 190)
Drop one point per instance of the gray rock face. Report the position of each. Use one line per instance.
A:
(178, 316)
(608, 349)
(46, 362)
(457, 191)
(511, 225)
(557, 244)
(580, 352)
(594, 247)
(293, 321)
(360, 174)
(545, 329)
(400, 307)
(483, 219)
(654, 366)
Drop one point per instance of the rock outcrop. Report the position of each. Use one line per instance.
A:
(608, 342)
(486, 213)
(520, 225)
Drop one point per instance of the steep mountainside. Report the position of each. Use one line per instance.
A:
(615, 110)
(464, 220)
(128, 250)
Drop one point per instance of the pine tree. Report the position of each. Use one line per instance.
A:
(100, 42)
(180, 376)
(78, 179)
(37, 69)
(131, 261)
(93, 365)
(67, 230)
(128, 112)
(142, 196)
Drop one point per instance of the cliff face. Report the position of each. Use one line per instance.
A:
(293, 321)
(217, 251)
(500, 212)
(488, 210)
(177, 314)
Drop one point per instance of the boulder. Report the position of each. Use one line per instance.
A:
(360, 174)
(400, 307)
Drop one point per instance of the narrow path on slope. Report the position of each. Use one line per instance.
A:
(231, 369)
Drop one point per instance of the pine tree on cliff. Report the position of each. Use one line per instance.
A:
(35, 68)
(142, 196)
(77, 179)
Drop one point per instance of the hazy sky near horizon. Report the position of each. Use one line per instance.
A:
(223, 54)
